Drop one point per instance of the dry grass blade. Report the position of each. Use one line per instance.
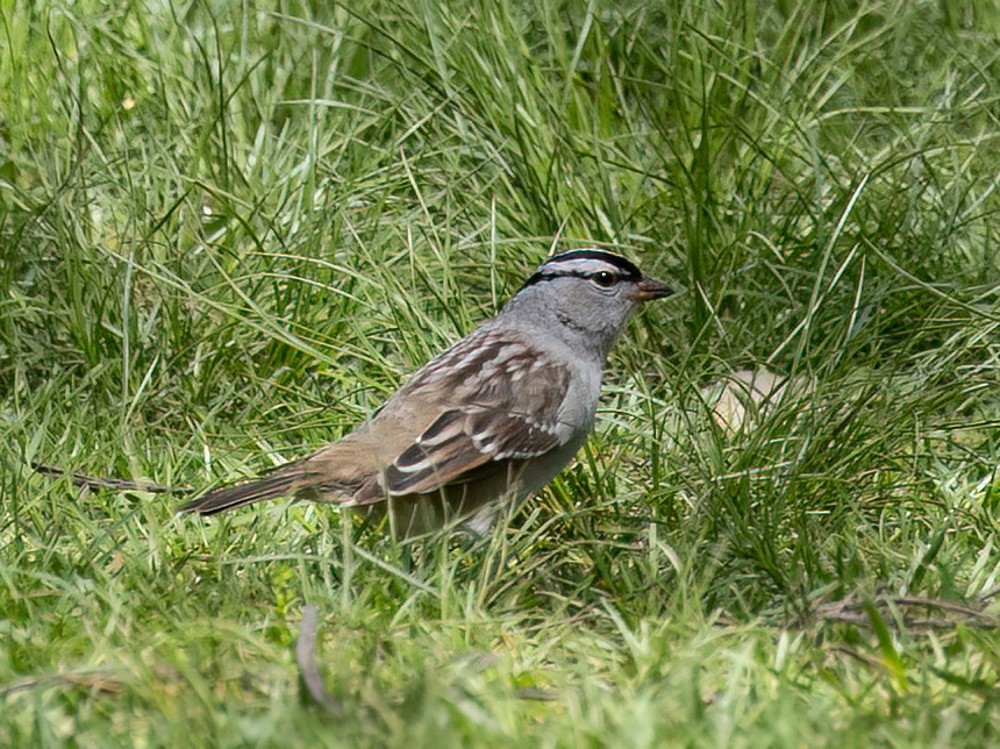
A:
(97, 482)
(915, 612)
(305, 656)
(101, 680)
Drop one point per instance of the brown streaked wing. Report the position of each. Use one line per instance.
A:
(506, 417)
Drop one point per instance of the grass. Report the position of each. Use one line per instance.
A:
(227, 234)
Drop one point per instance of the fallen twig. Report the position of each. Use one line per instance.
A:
(940, 614)
(104, 680)
(96, 482)
(305, 656)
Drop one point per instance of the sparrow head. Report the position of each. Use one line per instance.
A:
(590, 292)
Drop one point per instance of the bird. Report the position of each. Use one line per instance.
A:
(488, 422)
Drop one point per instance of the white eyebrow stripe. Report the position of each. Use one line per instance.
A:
(581, 265)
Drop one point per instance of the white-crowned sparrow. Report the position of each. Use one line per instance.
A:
(494, 417)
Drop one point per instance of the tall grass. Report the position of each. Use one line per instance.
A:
(228, 232)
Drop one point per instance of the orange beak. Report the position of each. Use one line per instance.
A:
(649, 288)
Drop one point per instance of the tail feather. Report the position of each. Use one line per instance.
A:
(229, 497)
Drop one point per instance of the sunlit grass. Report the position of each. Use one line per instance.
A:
(228, 233)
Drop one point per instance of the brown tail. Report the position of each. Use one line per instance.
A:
(230, 497)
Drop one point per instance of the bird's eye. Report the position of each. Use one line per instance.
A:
(604, 279)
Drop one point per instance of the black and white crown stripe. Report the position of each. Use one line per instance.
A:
(585, 264)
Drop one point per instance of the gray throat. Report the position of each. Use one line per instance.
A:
(535, 313)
